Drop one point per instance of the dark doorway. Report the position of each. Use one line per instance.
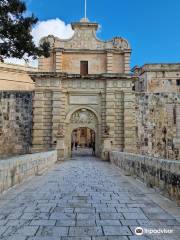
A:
(84, 68)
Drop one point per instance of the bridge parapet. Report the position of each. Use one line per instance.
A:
(161, 174)
(17, 169)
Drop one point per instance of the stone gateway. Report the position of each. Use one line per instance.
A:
(85, 83)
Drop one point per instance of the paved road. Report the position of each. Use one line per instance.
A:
(81, 199)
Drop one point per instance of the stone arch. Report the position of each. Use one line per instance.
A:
(82, 118)
(67, 120)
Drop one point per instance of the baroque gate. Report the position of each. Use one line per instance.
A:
(85, 82)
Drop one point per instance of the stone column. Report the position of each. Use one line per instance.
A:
(109, 61)
(129, 122)
(127, 62)
(58, 63)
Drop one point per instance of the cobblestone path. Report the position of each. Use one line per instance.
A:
(81, 199)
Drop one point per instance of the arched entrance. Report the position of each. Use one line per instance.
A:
(86, 122)
(83, 141)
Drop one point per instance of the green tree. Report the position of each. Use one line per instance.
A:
(15, 32)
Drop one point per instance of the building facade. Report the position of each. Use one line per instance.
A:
(158, 124)
(85, 83)
(158, 78)
(158, 109)
(15, 77)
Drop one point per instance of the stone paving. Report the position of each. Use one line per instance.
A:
(81, 199)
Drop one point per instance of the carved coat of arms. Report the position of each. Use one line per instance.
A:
(83, 116)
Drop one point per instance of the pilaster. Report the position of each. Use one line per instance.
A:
(59, 60)
(177, 139)
(127, 62)
(42, 120)
(119, 121)
(110, 112)
(129, 122)
(58, 112)
(40, 63)
(109, 62)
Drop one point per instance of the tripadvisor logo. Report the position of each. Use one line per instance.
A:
(139, 231)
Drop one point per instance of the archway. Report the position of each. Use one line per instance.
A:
(85, 120)
(83, 142)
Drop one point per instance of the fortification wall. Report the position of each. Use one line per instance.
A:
(15, 122)
(15, 77)
(17, 169)
(161, 174)
(158, 124)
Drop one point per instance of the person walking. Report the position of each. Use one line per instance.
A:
(76, 144)
(93, 148)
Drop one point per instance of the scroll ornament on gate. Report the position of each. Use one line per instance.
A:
(61, 132)
(120, 43)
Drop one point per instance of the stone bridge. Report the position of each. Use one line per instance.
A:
(84, 198)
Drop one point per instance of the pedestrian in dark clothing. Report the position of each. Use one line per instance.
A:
(76, 144)
(93, 148)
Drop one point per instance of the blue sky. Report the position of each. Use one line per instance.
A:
(151, 26)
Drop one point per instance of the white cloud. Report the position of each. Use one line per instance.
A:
(55, 27)
(31, 62)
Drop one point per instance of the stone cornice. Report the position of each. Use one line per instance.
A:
(84, 24)
(102, 76)
(16, 68)
(98, 51)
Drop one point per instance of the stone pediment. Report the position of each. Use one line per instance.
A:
(84, 38)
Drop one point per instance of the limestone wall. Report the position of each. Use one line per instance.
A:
(15, 122)
(158, 125)
(15, 77)
(155, 172)
(158, 78)
(15, 170)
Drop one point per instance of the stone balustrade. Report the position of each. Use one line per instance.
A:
(162, 174)
(16, 169)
